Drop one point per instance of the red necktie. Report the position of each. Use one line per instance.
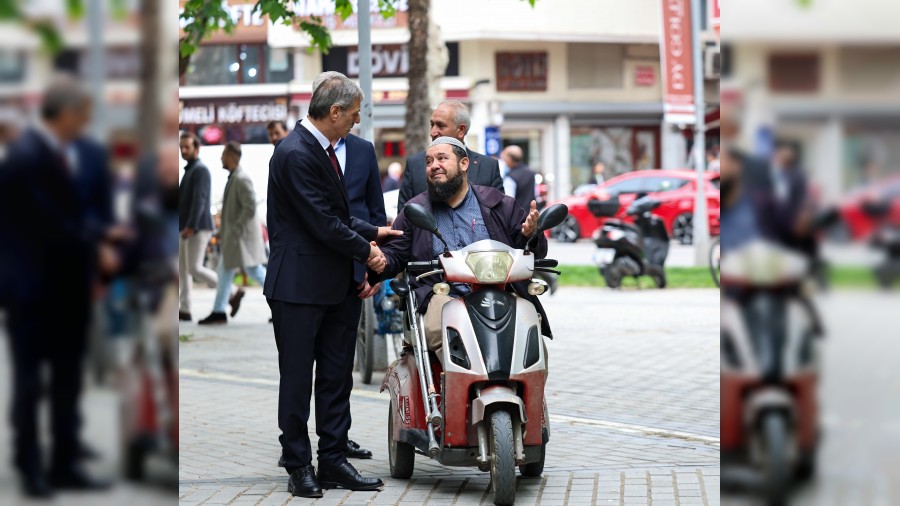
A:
(334, 161)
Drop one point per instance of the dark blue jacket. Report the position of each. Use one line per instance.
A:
(313, 239)
(361, 179)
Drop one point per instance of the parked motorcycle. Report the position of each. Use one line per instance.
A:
(484, 404)
(886, 238)
(769, 367)
(625, 249)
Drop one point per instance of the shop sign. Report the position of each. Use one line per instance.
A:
(249, 26)
(644, 75)
(677, 62)
(305, 10)
(232, 113)
(521, 71)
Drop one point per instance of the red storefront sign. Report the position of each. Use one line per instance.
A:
(644, 75)
(677, 62)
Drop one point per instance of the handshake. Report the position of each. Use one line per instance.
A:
(377, 261)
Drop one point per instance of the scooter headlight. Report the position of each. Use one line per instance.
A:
(615, 234)
(490, 266)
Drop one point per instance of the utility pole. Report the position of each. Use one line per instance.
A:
(366, 121)
(701, 218)
(97, 68)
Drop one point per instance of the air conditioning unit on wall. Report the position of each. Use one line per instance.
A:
(712, 63)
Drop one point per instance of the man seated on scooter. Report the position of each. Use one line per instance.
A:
(465, 214)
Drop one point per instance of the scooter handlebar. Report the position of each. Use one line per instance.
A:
(420, 267)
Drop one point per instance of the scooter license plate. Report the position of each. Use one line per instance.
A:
(604, 256)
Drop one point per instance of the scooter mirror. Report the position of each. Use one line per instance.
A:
(420, 217)
(552, 216)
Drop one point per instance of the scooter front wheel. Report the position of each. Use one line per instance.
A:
(775, 441)
(503, 458)
(401, 455)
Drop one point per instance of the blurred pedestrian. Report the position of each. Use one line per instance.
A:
(520, 177)
(52, 196)
(194, 222)
(712, 158)
(240, 237)
(449, 119)
(598, 177)
(277, 130)
(392, 180)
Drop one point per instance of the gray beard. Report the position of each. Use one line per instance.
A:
(441, 192)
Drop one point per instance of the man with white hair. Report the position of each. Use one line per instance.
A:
(449, 119)
(392, 181)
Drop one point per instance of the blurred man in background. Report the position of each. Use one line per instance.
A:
(58, 247)
(520, 177)
(597, 177)
(392, 180)
(277, 130)
(194, 222)
(240, 237)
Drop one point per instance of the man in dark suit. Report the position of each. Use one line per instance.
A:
(311, 291)
(55, 238)
(449, 119)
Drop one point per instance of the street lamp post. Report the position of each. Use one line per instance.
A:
(366, 126)
(701, 219)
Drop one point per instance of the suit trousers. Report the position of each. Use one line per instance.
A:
(324, 336)
(60, 343)
(190, 264)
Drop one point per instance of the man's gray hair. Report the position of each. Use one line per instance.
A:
(332, 88)
(460, 113)
(64, 92)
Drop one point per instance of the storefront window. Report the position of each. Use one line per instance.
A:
(620, 149)
(12, 66)
(238, 64)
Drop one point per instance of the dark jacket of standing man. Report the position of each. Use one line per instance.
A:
(449, 119)
(314, 241)
(361, 179)
(53, 236)
(521, 175)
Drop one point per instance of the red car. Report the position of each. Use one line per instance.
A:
(859, 223)
(674, 188)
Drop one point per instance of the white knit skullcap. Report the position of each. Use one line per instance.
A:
(448, 140)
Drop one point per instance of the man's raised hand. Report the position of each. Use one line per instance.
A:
(531, 220)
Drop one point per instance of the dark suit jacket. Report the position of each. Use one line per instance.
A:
(313, 239)
(93, 182)
(389, 184)
(524, 178)
(503, 219)
(363, 188)
(194, 198)
(48, 253)
(482, 171)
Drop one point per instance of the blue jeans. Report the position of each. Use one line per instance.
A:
(226, 280)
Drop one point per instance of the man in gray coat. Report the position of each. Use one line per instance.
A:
(195, 223)
(240, 237)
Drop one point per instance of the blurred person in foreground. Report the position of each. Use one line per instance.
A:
(240, 235)
(59, 245)
(195, 223)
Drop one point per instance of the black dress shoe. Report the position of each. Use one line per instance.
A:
(303, 483)
(354, 451)
(75, 478)
(36, 486)
(235, 301)
(346, 476)
(185, 317)
(214, 319)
